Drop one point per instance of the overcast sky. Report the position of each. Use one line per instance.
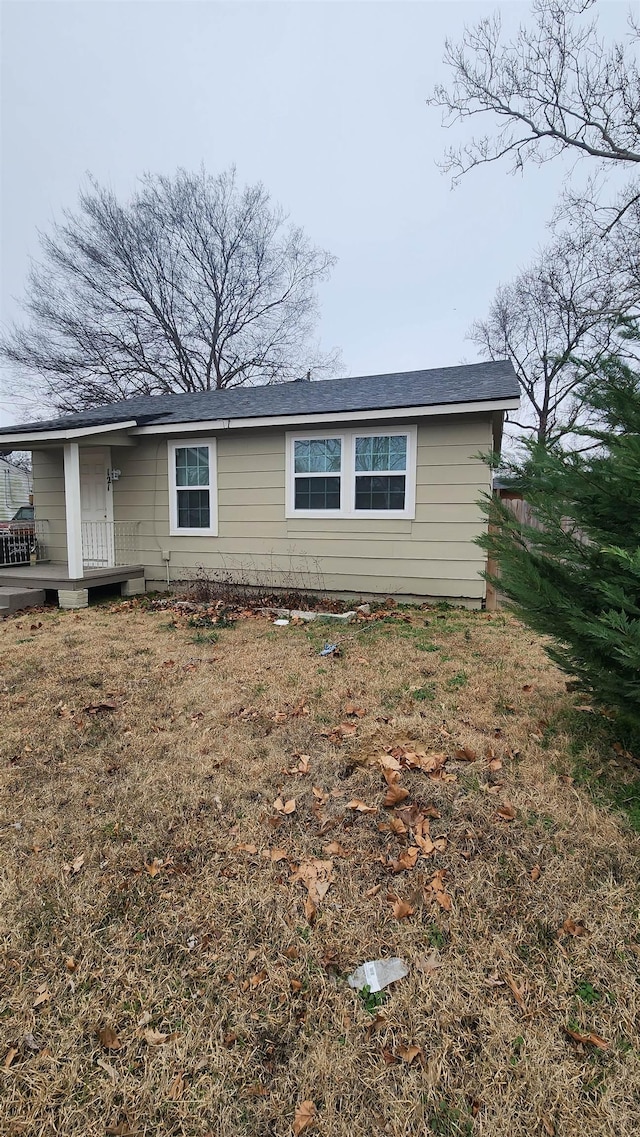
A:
(324, 102)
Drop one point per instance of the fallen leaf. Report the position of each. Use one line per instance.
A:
(407, 860)
(361, 807)
(122, 1129)
(97, 708)
(286, 807)
(154, 868)
(536, 872)
(548, 1126)
(466, 754)
(408, 1054)
(244, 848)
(401, 908)
(507, 812)
(335, 849)
(9, 1056)
(571, 928)
(74, 866)
(108, 1069)
(428, 964)
(305, 1116)
(394, 795)
(41, 999)
(108, 1038)
(157, 1037)
(517, 992)
(495, 764)
(374, 890)
(70, 963)
(177, 1087)
(444, 900)
(276, 855)
(594, 1039)
(352, 709)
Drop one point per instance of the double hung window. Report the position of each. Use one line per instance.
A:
(192, 488)
(352, 473)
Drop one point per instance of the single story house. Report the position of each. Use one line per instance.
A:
(15, 489)
(360, 486)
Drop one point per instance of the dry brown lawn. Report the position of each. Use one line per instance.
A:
(163, 970)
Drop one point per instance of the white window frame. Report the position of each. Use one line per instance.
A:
(348, 472)
(186, 443)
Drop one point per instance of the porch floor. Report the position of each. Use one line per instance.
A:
(54, 576)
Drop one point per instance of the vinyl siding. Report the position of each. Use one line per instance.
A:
(15, 487)
(48, 499)
(433, 555)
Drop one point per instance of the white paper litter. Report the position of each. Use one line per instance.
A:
(378, 973)
(281, 623)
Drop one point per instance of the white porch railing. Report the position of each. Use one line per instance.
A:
(107, 544)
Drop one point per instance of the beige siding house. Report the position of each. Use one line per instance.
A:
(359, 486)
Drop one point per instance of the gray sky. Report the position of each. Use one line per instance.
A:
(324, 102)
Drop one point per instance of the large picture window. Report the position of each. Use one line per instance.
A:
(192, 488)
(357, 473)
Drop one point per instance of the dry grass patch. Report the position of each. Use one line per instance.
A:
(188, 878)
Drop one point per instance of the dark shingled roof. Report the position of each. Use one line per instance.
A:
(468, 383)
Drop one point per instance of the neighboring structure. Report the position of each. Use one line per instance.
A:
(360, 486)
(15, 489)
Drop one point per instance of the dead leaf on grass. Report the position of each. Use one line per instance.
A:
(428, 964)
(394, 795)
(594, 1039)
(352, 709)
(507, 812)
(244, 848)
(401, 908)
(43, 997)
(285, 807)
(108, 1069)
(466, 754)
(9, 1057)
(305, 1116)
(108, 1038)
(177, 1087)
(73, 867)
(157, 1037)
(409, 1054)
(536, 872)
(335, 849)
(276, 855)
(98, 708)
(406, 861)
(361, 806)
(572, 927)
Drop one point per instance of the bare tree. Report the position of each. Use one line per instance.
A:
(556, 87)
(193, 284)
(567, 305)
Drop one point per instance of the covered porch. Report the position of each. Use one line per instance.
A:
(74, 543)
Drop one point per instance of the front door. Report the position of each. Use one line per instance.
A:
(96, 501)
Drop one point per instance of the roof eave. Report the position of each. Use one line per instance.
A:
(318, 418)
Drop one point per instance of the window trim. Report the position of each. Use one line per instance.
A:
(348, 473)
(181, 444)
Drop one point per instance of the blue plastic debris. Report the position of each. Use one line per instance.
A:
(329, 649)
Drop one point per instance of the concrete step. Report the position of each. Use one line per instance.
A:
(13, 599)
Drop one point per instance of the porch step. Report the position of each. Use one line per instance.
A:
(13, 599)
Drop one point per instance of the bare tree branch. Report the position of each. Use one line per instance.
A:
(565, 306)
(555, 87)
(192, 284)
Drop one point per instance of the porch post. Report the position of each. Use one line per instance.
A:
(72, 509)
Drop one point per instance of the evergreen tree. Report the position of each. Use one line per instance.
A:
(573, 573)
